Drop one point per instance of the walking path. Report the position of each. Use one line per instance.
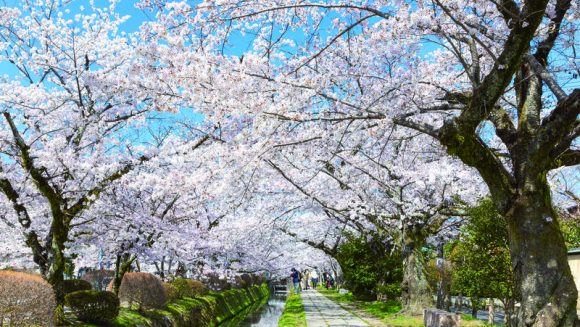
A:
(321, 312)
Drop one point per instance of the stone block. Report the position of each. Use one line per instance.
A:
(440, 318)
(342, 291)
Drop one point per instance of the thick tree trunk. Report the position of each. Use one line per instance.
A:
(56, 265)
(474, 305)
(416, 292)
(545, 288)
(122, 266)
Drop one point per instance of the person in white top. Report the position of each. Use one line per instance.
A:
(314, 277)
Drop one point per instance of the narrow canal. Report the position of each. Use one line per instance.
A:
(267, 315)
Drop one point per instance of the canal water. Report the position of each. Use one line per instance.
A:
(267, 315)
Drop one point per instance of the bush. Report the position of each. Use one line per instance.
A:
(170, 292)
(26, 300)
(369, 261)
(182, 287)
(391, 291)
(74, 285)
(199, 289)
(143, 289)
(244, 281)
(99, 279)
(93, 306)
(215, 283)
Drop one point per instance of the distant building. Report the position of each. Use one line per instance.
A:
(574, 262)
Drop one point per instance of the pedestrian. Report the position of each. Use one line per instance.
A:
(314, 278)
(295, 279)
(305, 275)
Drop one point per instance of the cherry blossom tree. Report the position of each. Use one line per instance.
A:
(72, 114)
(456, 71)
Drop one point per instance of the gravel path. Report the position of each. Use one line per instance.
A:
(321, 312)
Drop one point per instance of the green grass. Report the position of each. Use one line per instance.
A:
(388, 311)
(293, 315)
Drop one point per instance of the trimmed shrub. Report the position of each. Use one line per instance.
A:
(93, 306)
(26, 300)
(99, 279)
(171, 292)
(180, 288)
(199, 288)
(244, 281)
(143, 289)
(74, 285)
(215, 283)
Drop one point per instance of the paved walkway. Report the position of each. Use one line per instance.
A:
(321, 312)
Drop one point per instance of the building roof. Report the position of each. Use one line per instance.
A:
(574, 251)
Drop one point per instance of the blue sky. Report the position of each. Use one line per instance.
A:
(138, 16)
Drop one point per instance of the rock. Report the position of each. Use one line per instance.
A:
(440, 318)
(342, 291)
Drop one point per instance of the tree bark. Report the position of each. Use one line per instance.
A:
(545, 288)
(491, 312)
(55, 246)
(122, 266)
(474, 305)
(416, 292)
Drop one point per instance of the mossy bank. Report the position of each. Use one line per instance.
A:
(211, 310)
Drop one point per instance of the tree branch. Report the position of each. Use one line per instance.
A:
(504, 127)
(494, 84)
(546, 77)
(40, 181)
(560, 123)
(544, 48)
(421, 127)
(568, 158)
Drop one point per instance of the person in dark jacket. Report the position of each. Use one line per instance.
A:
(295, 275)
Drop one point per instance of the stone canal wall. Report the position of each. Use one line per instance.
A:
(210, 310)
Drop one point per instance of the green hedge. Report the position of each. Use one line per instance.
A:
(93, 306)
(74, 285)
(210, 310)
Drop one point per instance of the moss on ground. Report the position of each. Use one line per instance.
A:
(293, 315)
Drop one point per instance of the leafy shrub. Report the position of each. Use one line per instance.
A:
(93, 306)
(171, 292)
(74, 285)
(25, 300)
(484, 239)
(143, 289)
(99, 279)
(199, 289)
(391, 291)
(368, 262)
(183, 287)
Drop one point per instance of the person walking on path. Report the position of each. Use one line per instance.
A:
(306, 278)
(314, 277)
(295, 279)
